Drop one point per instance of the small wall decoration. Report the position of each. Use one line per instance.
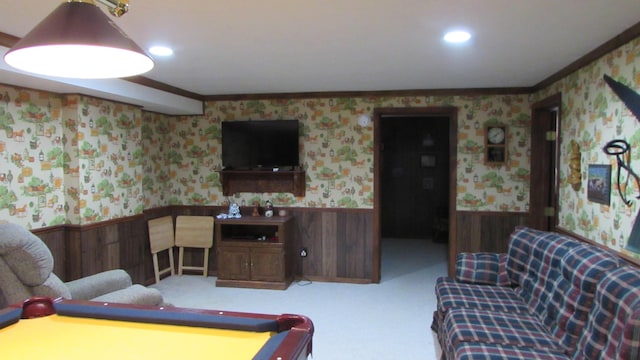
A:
(495, 144)
(622, 150)
(428, 160)
(575, 177)
(599, 185)
(427, 183)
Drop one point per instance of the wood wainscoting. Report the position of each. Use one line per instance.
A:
(484, 231)
(123, 243)
(339, 244)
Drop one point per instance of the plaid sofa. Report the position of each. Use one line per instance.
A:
(549, 297)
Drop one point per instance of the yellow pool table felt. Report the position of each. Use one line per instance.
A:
(67, 337)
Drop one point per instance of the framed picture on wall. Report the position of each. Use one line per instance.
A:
(599, 184)
(428, 160)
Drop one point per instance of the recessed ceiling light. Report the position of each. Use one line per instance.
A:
(161, 51)
(457, 36)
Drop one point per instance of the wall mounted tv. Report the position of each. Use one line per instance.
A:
(260, 145)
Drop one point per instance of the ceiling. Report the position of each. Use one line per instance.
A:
(286, 46)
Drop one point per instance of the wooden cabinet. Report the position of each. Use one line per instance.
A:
(254, 252)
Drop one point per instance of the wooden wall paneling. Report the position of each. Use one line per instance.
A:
(468, 227)
(496, 230)
(329, 245)
(134, 248)
(339, 243)
(365, 229)
(90, 259)
(73, 252)
(109, 246)
(486, 231)
(54, 238)
(355, 246)
(308, 234)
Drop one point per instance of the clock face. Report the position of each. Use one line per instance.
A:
(495, 135)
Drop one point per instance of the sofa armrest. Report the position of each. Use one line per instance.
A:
(482, 268)
(99, 284)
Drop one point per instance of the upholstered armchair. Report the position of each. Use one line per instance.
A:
(26, 270)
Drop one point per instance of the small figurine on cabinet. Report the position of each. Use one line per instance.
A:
(234, 211)
(268, 209)
(256, 211)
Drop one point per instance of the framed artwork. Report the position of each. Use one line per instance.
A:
(599, 184)
(427, 183)
(428, 160)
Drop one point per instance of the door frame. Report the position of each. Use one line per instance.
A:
(451, 113)
(540, 149)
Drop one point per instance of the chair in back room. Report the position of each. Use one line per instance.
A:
(161, 238)
(194, 232)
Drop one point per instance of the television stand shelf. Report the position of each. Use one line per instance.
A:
(246, 261)
(263, 181)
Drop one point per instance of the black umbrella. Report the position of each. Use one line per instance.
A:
(629, 97)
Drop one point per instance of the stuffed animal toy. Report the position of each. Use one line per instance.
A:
(234, 211)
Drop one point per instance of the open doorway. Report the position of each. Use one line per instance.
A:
(414, 169)
(414, 174)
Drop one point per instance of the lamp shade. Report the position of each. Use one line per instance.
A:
(78, 40)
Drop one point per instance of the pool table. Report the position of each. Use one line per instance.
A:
(68, 329)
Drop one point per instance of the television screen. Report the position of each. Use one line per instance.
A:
(260, 144)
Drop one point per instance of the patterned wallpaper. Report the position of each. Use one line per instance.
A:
(68, 159)
(79, 160)
(31, 170)
(337, 153)
(592, 115)
(113, 160)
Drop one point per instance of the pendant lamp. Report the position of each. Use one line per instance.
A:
(78, 40)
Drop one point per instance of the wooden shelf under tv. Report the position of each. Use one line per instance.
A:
(263, 181)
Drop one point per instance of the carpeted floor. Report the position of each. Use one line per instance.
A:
(382, 321)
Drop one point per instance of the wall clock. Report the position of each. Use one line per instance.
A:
(495, 144)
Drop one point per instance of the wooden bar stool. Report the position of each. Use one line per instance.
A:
(194, 232)
(161, 238)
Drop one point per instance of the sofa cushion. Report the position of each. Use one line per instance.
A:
(482, 268)
(543, 269)
(567, 311)
(613, 331)
(480, 326)
(451, 294)
(482, 351)
(519, 253)
(27, 256)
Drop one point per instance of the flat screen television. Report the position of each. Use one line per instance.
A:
(260, 144)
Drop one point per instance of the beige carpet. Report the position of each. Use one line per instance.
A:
(382, 321)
